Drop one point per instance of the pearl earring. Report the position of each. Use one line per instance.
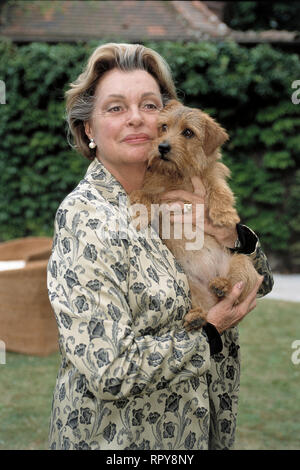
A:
(92, 144)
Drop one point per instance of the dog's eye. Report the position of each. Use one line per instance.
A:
(164, 127)
(188, 133)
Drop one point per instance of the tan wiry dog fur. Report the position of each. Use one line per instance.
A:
(193, 139)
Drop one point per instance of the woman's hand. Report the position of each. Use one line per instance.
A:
(224, 235)
(226, 314)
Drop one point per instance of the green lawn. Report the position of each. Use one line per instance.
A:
(26, 387)
(269, 412)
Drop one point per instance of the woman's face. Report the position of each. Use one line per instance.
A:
(124, 121)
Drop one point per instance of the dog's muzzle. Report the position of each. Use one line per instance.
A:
(163, 148)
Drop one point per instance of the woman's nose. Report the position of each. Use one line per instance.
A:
(135, 116)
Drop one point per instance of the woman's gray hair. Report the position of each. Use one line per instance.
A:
(126, 57)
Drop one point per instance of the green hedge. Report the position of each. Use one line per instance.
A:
(247, 90)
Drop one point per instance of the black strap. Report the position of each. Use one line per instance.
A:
(214, 338)
(247, 238)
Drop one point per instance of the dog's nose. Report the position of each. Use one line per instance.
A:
(164, 147)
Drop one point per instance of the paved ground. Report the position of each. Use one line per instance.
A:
(7, 265)
(286, 287)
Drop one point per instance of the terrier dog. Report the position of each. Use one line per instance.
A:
(188, 144)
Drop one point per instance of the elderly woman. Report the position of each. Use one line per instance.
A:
(131, 377)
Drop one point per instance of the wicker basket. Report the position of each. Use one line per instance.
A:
(28, 249)
(27, 321)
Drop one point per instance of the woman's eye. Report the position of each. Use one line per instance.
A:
(188, 133)
(151, 106)
(114, 109)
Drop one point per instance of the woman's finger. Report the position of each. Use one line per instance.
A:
(236, 291)
(176, 194)
(181, 194)
(234, 294)
(251, 297)
(252, 305)
(249, 303)
(177, 206)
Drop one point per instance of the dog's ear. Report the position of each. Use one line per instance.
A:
(172, 104)
(214, 136)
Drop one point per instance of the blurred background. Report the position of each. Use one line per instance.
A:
(238, 61)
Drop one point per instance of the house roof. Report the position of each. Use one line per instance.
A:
(84, 20)
(56, 21)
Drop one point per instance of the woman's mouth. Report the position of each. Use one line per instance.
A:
(136, 138)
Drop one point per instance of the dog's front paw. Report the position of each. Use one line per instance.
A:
(195, 319)
(219, 286)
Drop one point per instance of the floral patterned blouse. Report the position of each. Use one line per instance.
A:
(131, 377)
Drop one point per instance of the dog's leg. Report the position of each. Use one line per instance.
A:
(221, 209)
(242, 269)
(196, 317)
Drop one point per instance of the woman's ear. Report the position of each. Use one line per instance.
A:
(88, 130)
